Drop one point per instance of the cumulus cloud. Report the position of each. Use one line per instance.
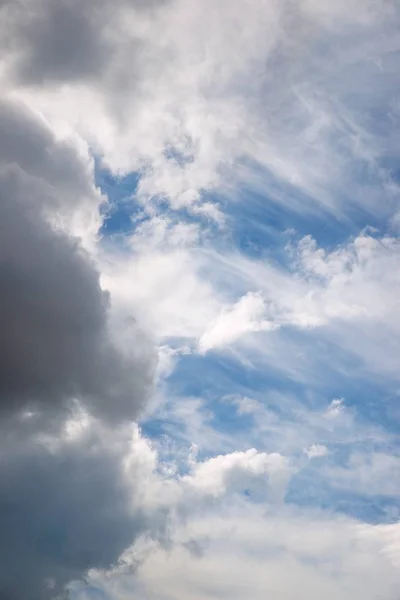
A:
(56, 342)
(237, 471)
(65, 504)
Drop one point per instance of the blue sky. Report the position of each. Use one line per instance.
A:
(230, 170)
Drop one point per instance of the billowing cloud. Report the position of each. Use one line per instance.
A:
(237, 471)
(56, 339)
(65, 503)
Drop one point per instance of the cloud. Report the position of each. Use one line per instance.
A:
(246, 316)
(56, 341)
(213, 106)
(53, 173)
(316, 451)
(160, 279)
(244, 550)
(370, 474)
(65, 503)
(74, 498)
(65, 41)
(345, 295)
(237, 471)
(222, 299)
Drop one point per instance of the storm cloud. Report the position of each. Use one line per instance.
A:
(56, 342)
(65, 505)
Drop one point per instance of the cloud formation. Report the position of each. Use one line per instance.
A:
(285, 111)
(64, 503)
(56, 340)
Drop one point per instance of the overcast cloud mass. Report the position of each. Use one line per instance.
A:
(199, 275)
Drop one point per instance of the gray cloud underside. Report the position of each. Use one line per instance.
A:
(62, 512)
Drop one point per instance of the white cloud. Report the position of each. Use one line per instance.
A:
(246, 316)
(238, 552)
(164, 290)
(237, 471)
(316, 451)
(335, 409)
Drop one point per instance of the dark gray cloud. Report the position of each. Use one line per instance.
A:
(57, 176)
(66, 508)
(56, 342)
(68, 40)
(65, 504)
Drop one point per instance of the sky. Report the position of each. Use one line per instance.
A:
(200, 283)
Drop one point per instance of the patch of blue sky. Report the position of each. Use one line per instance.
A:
(217, 374)
(217, 380)
(331, 373)
(258, 222)
(208, 390)
(263, 228)
(122, 209)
